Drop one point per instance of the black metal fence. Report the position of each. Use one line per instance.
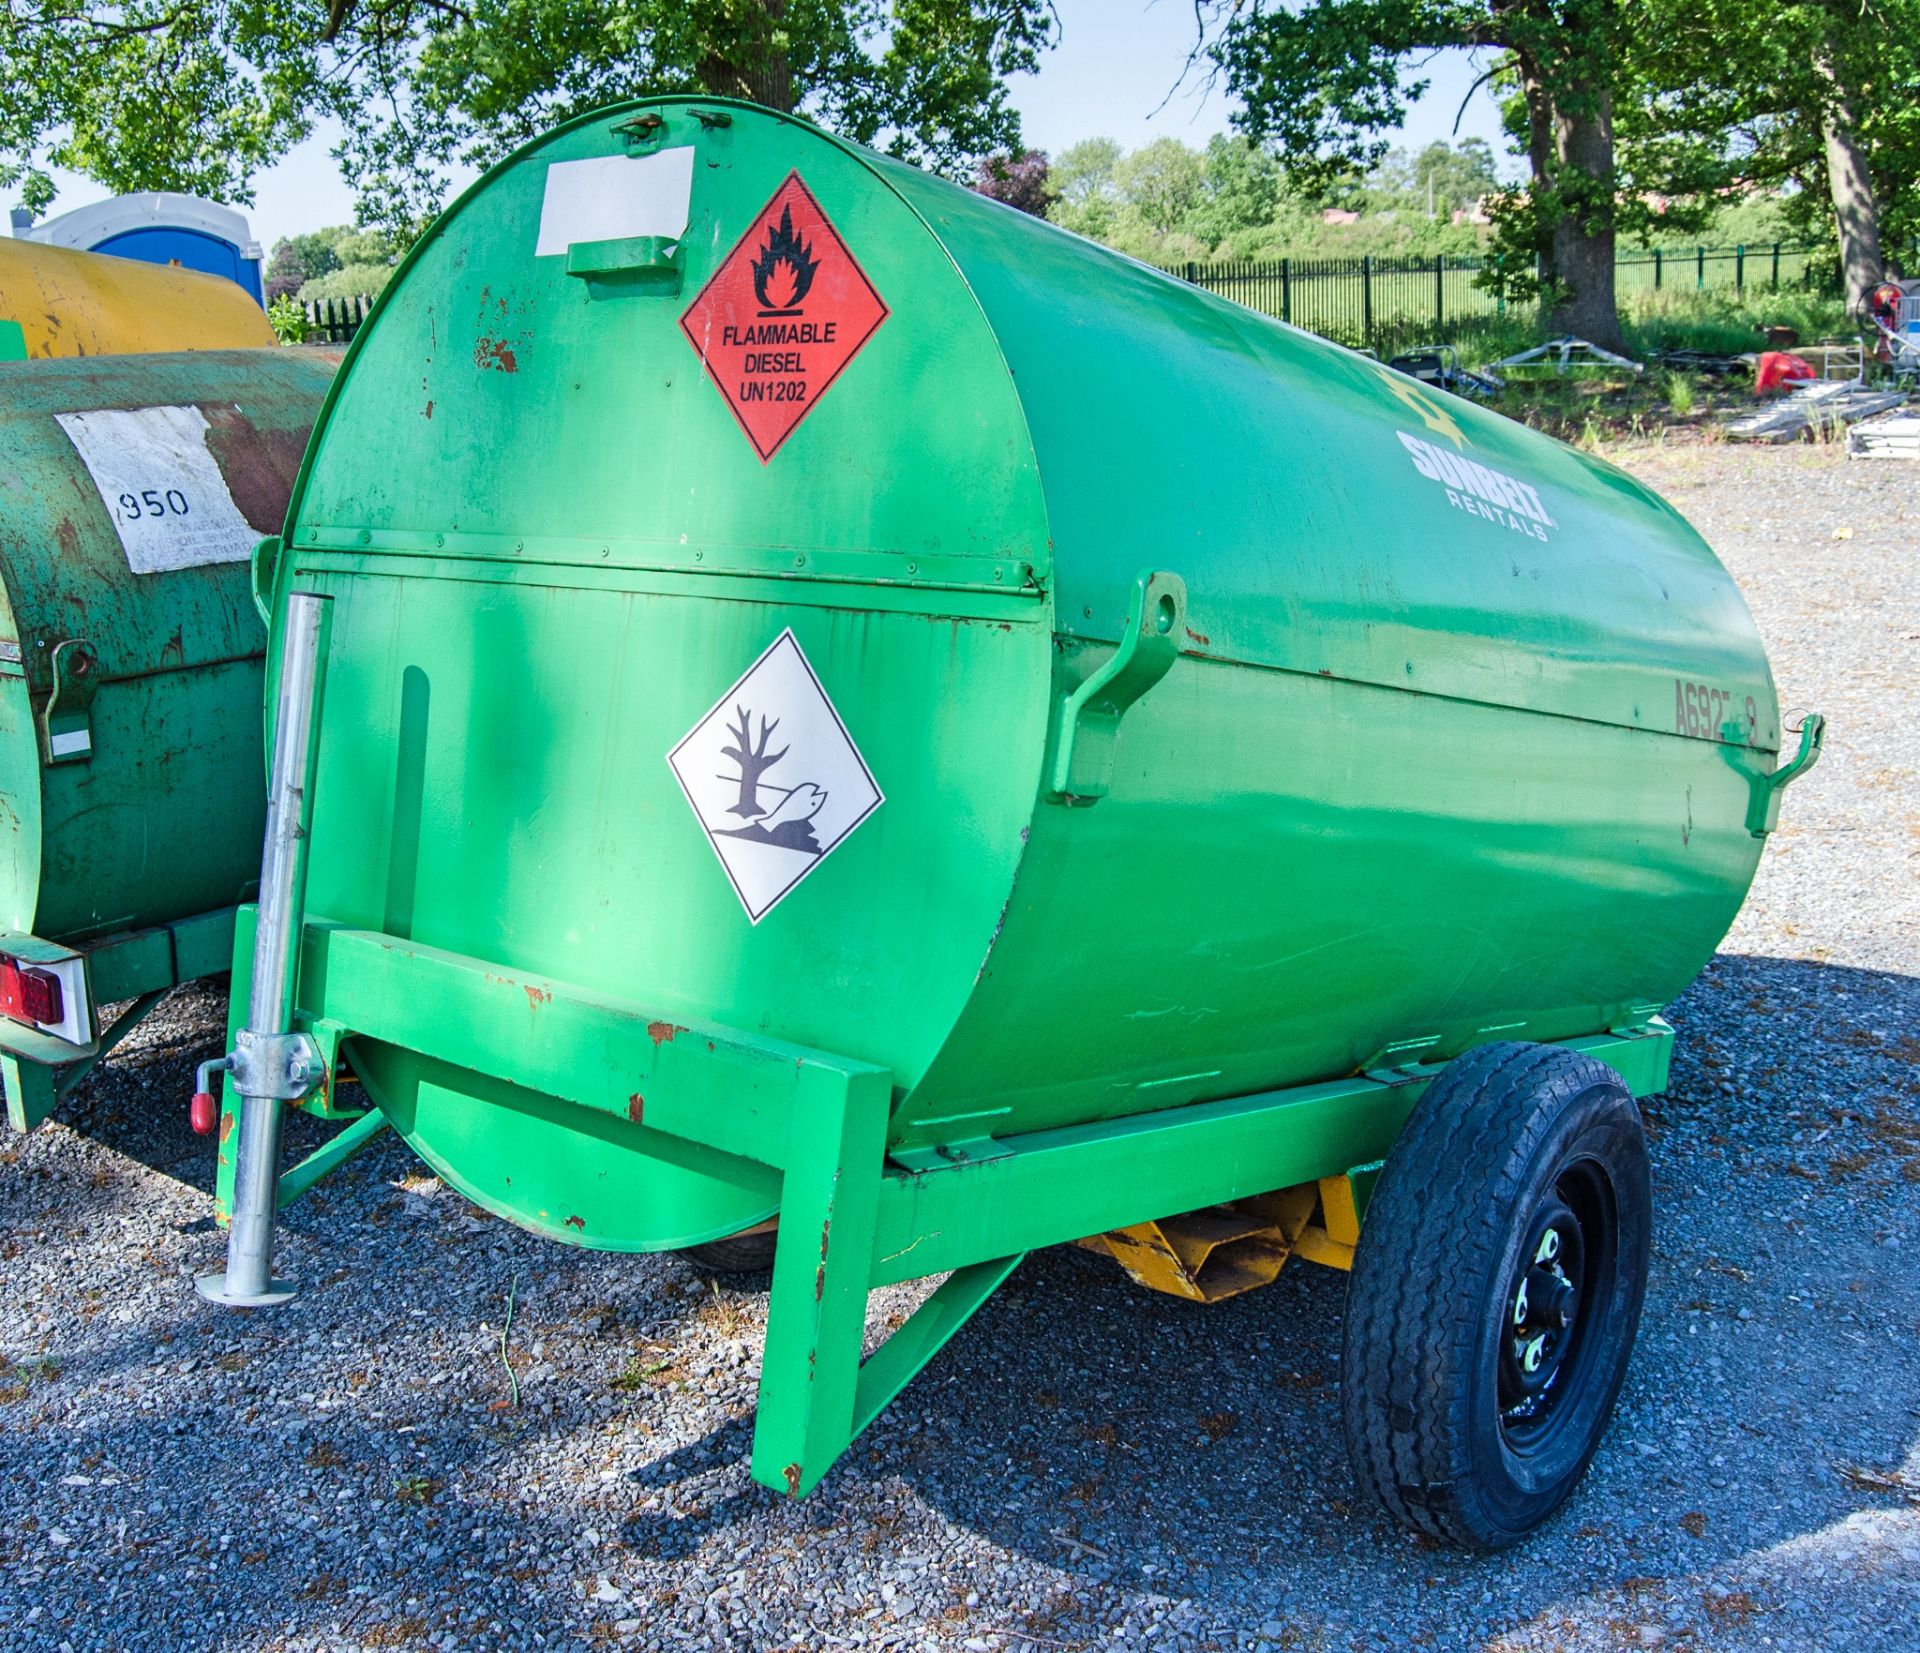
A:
(335, 320)
(1358, 300)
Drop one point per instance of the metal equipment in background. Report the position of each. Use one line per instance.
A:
(1891, 315)
(846, 704)
(1438, 365)
(58, 302)
(132, 491)
(1566, 357)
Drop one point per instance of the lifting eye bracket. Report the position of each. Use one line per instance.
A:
(1087, 720)
(65, 723)
(1763, 806)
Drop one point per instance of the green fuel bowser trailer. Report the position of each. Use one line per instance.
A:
(804, 694)
(132, 491)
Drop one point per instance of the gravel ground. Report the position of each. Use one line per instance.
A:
(1087, 1466)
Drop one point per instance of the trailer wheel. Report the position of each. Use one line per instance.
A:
(1495, 1292)
(748, 1253)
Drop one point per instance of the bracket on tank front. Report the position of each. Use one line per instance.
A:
(1087, 718)
(853, 1218)
(1763, 807)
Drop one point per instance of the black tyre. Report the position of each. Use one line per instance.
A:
(1496, 1291)
(748, 1253)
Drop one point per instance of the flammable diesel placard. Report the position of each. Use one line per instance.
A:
(781, 318)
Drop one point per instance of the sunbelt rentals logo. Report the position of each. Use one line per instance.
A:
(1480, 490)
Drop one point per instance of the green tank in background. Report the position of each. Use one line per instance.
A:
(827, 698)
(132, 492)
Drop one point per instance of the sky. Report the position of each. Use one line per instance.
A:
(1110, 76)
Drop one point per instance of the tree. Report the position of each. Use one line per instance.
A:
(1439, 180)
(147, 94)
(1817, 98)
(284, 275)
(1161, 183)
(199, 94)
(1326, 79)
(1021, 181)
(1241, 187)
(1086, 193)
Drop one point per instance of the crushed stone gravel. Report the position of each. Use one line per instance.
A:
(1087, 1466)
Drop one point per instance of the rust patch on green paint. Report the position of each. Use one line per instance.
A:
(537, 996)
(496, 353)
(227, 1123)
(576, 1222)
(661, 1033)
(636, 1106)
(257, 462)
(792, 1473)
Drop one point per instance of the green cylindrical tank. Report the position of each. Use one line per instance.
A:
(132, 492)
(731, 535)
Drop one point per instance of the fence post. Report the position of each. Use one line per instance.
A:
(1286, 289)
(1366, 298)
(1740, 269)
(1656, 269)
(1439, 291)
(1699, 268)
(1193, 274)
(1776, 264)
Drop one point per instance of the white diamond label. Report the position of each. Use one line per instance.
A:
(774, 778)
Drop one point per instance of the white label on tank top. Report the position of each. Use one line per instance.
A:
(774, 777)
(161, 486)
(615, 196)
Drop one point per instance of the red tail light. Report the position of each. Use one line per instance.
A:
(30, 995)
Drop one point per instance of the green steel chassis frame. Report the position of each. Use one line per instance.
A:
(138, 970)
(852, 1218)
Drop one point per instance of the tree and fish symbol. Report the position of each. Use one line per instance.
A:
(787, 822)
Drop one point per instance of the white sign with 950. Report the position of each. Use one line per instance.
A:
(161, 486)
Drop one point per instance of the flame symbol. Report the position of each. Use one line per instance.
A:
(783, 272)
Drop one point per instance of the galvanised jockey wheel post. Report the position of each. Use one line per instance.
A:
(270, 1063)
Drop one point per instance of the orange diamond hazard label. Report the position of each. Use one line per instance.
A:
(782, 316)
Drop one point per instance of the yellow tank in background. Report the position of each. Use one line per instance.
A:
(65, 303)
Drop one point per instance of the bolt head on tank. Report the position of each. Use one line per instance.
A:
(213, 1287)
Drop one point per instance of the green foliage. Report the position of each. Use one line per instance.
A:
(147, 94)
(337, 262)
(1086, 187)
(197, 95)
(349, 281)
(1167, 203)
(1758, 77)
(288, 319)
(1438, 181)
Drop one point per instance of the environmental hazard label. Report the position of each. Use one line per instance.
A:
(783, 315)
(774, 778)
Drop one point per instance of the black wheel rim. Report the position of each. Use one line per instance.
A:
(1561, 1288)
